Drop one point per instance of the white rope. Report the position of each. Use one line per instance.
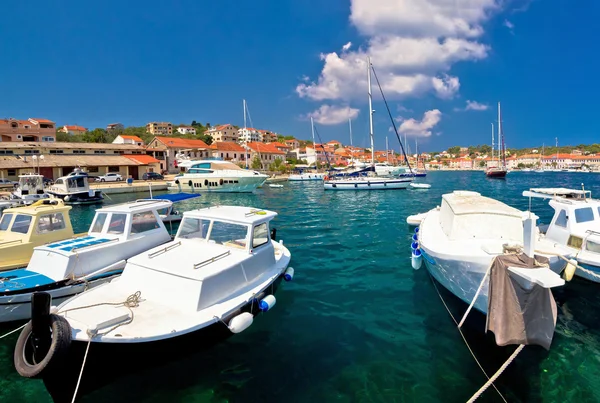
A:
(463, 337)
(13, 331)
(477, 293)
(591, 273)
(497, 374)
(81, 372)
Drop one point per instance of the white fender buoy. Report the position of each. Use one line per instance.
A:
(240, 322)
(267, 303)
(570, 270)
(54, 309)
(91, 192)
(67, 198)
(416, 259)
(288, 275)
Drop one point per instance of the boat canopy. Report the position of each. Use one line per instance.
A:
(547, 193)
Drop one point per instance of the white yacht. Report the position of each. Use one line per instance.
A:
(217, 176)
(30, 189)
(221, 270)
(575, 225)
(75, 189)
(307, 176)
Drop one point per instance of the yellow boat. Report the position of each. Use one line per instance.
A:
(24, 228)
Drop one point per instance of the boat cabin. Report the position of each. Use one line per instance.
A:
(71, 184)
(208, 167)
(30, 184)
(23, 228)
(468, 215)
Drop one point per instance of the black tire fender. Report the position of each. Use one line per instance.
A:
(59, 347)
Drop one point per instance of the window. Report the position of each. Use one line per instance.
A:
(78, 151)
(92, 169)
(575, 242)
(5, 221)
(228, 234)
(51, 222)
(56, 151)
(32, 151)
(561, 220)
(113, 169)
(585, 214)
(99, 222)
(260, 235)
(99, 152)
(21, 224)
(589, 245)
(11, 172)
(193, 228)
(142, 222)
(47, 138)
(117, 224)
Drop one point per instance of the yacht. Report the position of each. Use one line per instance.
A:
(217, 176)
(75, 189)
(30, 189)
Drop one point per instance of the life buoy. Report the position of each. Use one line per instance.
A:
(24, 361)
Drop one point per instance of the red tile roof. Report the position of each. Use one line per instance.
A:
(134, 138)
(177, 142)
(76, 128)
(142, 158)
(42, 120)
(264, 148)
(278, 144)
(227, 146)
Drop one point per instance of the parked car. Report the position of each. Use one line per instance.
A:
(152, 176)
(110, 177)
(7, 183)
(48, 181)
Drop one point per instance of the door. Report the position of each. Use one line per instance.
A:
(134, 172)
(47, 172)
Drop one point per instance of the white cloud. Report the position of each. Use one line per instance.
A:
(347, 46)
(332, 114)
(473, 106)
(412, 44)
(509, 24)
(423, 127)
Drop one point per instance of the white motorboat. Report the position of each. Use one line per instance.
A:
(217, 176)
(169, 214)
(30, 189)
(307, 176)
(575, 225)
(275, 185)
(75, 189)
(221, 269)
(420, 185)
(459, 241)
(371, 181)
(70, 266)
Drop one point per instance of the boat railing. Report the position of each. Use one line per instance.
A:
(78, 248)
(163, 250)
(211, 260)
(591, 232)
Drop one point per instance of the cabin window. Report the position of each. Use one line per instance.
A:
(58, 182)
(260, 235)
(142, 222)
(561, 220)
(592, 246)
(228, 234)
(4, 223)
(51, 222)
(575, 242)
(585, 214)
(21, 224)
(117, 224)
(99, 222)
(193, 228)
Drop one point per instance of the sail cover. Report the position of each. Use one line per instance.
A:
(517, 315)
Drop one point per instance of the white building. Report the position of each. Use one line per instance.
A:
(248, 135)
(125, 139)
(224, 132)
(186, 130)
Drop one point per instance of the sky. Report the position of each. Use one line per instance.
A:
(443, 66)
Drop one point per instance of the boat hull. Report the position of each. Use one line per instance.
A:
(307, 177)
(92, 197)
(591, 267)
(219, 184)
(500, 174)
(367, 184)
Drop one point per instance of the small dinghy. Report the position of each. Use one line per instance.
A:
(72, 265)
(222, 269)
(420, 185)
(274, 185)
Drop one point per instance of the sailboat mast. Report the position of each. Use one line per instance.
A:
(500, 138)
(493, 141)
(350, 124)
(312, 129)
(245, 134)
(387, 150)
(370, 112)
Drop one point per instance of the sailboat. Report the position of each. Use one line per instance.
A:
(309, 176)
(369, 182)
(498, 172)
(541, 168)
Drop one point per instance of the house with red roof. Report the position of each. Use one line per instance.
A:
(32, 129)
(73, 129)
(165, 150)
(293, 143)
(228, 151)
(267, 153)
(224, 132)
(127, 139)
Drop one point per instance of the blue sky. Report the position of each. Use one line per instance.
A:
(94, 63)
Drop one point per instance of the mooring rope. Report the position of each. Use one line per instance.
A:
(591, 273)
(463, 337)
(81, 371)
(476, 293)
(13, 331)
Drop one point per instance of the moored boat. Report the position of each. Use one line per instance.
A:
(217, 176)
(30, 189)
(75, 189)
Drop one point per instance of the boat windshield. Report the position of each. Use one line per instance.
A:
(219, 232)
(592, 246)
(51, 222)
(77, 182)
(193, 228)
(21, 224)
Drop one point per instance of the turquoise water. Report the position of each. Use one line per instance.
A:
(358, 324)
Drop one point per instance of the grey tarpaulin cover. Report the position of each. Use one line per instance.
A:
(517, 315)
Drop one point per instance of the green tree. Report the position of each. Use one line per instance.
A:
(256, 163)
(482, 164)
(454, 150)
(277, 165)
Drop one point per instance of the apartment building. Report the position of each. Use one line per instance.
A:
(159, 128)
(114, 127)
(249, 135)
(186, 130)
(224, 132)
(73, 129)
(32, 129)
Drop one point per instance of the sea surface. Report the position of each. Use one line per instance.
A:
(357, 323)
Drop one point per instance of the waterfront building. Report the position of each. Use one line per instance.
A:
(32, 129)
(114, 127)
(228, 151)
(165, 150)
